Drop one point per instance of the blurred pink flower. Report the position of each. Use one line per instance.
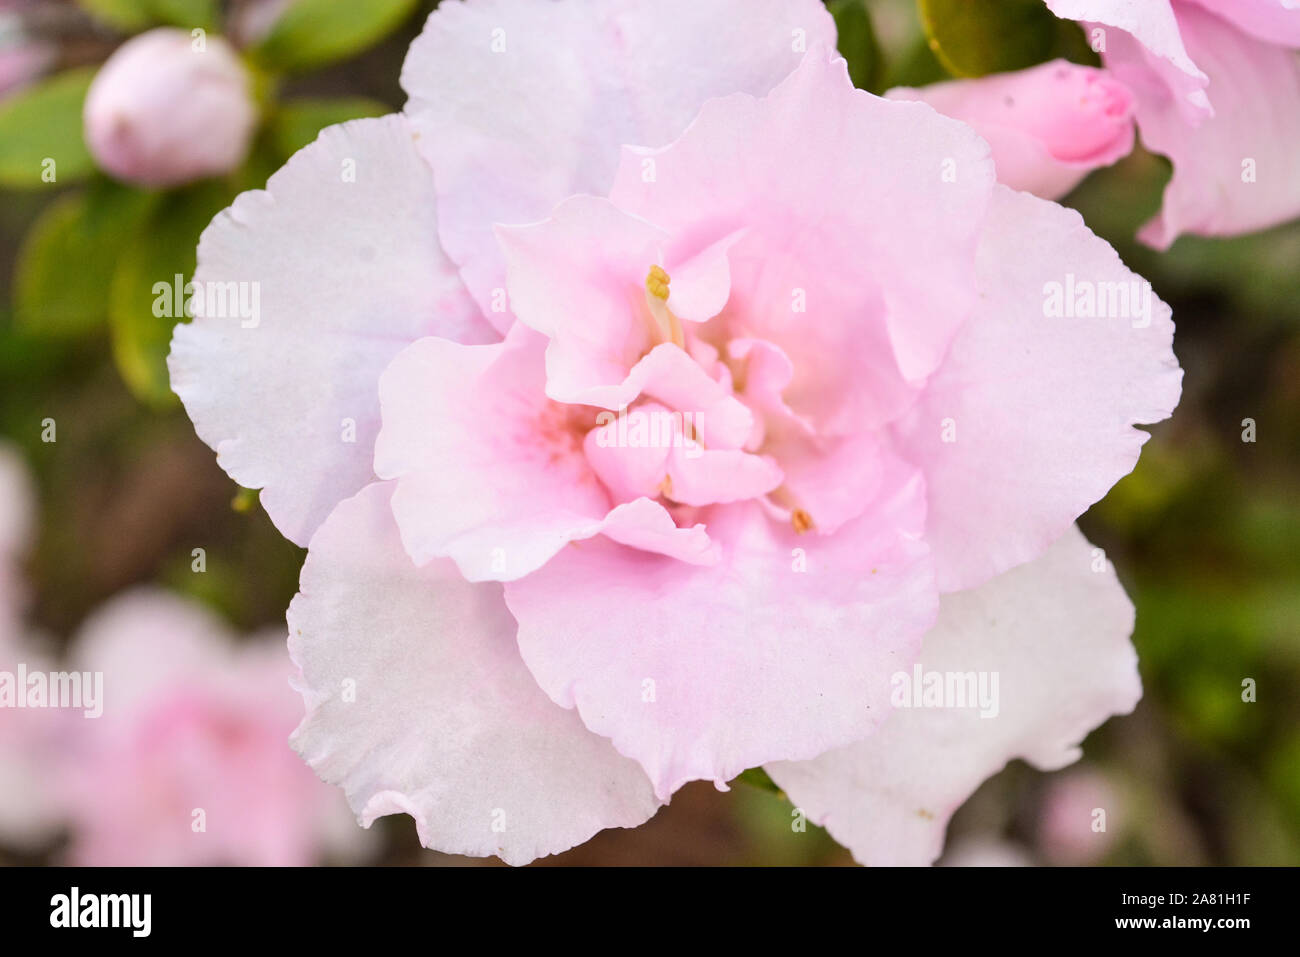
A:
(1049, 126)
(22, 59)
(252, 20)
(1081, 817)
(189, 762)
(17, 518)
(1217, 84)
(28, 817)
(167, 108)
(550, 626)
(985, 851)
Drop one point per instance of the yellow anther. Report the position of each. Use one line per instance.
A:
(801, 521)
(656, 283)
(656, 300)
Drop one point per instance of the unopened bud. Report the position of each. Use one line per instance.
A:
(165, 109)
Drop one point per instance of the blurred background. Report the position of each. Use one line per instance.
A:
(1205, 533)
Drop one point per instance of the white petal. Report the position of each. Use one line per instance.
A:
(520, 105)
(446, 724)
(341, 251)
(1055, 632)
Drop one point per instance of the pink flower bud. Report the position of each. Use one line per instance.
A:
(167, 108)
(1049, 126)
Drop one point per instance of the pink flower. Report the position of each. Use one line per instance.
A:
(188, 762)
(1081, 817)
(671, 476)
(985, 851)
(17, 511)
(22, 58)
(27, 816)
(167, 108)
(1049, 126)
(1218, 91)
(252, 21)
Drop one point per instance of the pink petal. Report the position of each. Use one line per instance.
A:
(1153, 24)
(1039, 409)
(812, 174)
(1055, 632)
(1275, 21)
(446, 725)
(645, 524)
(347, 271)
(1049, 125)
(512, 127)
(701, 282)
(1255, 87)
(630, 469)
(652, 451)
(579, 278)
(719, 476)
(489, 471)
(783, 648)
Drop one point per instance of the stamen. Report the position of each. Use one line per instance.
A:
(657, 283)
(656, 298)
(801, 521)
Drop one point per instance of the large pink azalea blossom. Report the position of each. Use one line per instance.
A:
(647, 409)
(1218, 91)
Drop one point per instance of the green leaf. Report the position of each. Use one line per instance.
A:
(132, 16)
(757, 777)
(917, 66)
(66, 263)
(297, 122)
(245, 499)
(161, 250)
(125, 15)
(40, 133)
(312, 33)
(976, 37)
(858, 44)
(185, 13)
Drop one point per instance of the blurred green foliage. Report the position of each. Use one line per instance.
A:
(312, 33)
(975, 37)
(43, 125)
